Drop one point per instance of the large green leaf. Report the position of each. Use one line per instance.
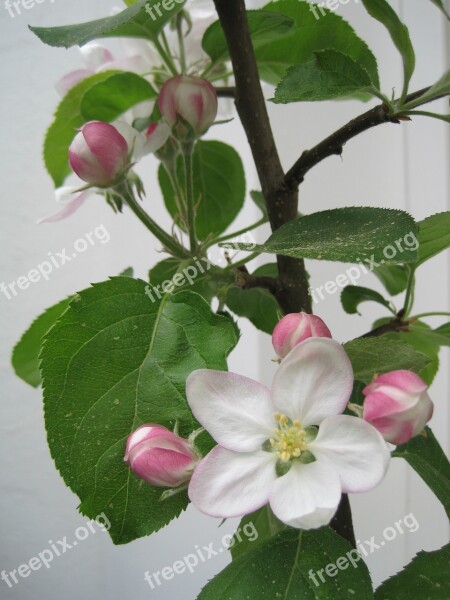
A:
(311, 33)
(219, 187)
(142, 19)
(257, 304)
(201, 284)
(344, 234)
(329, 75)
(108, 99)
(353, 295)
(114, 361)
(425, 578)
(288, 566)
(264, 27)
(371, 356)
(68, 119)
(427, 458)
(434, 236)
(25, 357)
(382, 11)
(261, 525)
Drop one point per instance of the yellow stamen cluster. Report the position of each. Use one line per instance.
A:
(289, 441)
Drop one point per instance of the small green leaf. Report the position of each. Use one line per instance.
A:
(255, 529)
(393, 277)
(142, 19)
(385, 14)
(25, 357)
(328, 76)
(344, 234)
(287, 567)
(109, 99)
(444, 6)
(427, 458)
(257, 304)
(68, 119)
(425, 578)
(353, 295)
(440, 88)
(114, 361)
(316, 28)
(219, 187)
(264, 27)
(443, 333)
(434, 236)
(374, 356)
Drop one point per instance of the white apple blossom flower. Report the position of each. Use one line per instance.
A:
(289, 446)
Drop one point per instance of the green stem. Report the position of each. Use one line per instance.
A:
(229, 236)
(187, 154)
(244, 261)
(166, 58)
(407, 306)
(181, 44)
(169, 243)
(179, 194)
(431, 314)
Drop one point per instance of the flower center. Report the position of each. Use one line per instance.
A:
(290, 439)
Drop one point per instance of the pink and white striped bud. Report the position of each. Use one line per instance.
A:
(295, 328)
(398, 405)
(160, 457)
(189, 99)
(99, 153)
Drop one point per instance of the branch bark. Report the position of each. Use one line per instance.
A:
(334, 144)
(281, 201)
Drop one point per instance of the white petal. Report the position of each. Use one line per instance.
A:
(355, 449)
(68, 209)
(306, 497)
(134, 138)
(232, 484)
(314, 381)
(235, 410)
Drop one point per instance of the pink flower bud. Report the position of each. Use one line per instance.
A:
(99, 153)
(160, 457)
(296, 328)
(192, 99)
(398, 405)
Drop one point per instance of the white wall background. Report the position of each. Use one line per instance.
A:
(400, 166)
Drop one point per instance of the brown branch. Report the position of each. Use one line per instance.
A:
(246, 281)
(334, 144)
(282, 202)
(396, 325)
(225, 92)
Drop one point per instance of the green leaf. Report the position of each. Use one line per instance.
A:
(219, 187)
(393, 277)
(165, 270)
(371, 356)
(257, 305)
(107, 100)
(25, 357)
(425, 578)
(282, 568)
(264, 27)
(343, 234)
(315, 29)
(353, 295)
(434, 236)
(139, 20)
(443, 333)
(427, 458)
(385, 14)
(114, 361)
(68, 119)
(444, 6)
(440, 88)
(255, 529)
(327, 76)
(420, 336)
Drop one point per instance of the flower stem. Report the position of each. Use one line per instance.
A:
(166, 58)
(181, 44)
(409, 297)
(187, 154)
(431, 314)
(242, 231)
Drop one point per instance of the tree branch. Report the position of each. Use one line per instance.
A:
(334, 144)
(247, 281)
(282, 202)
(225, 92)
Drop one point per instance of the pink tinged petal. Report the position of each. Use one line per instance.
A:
(133, 64)
(135, 139)
(306, 497)
(70, 80)
(314, 381)
(166, 100)
(160, 466)
(96, 55)
(68, 210)
(295, 328)
(235, 410)
(108, 146)
(407, 381)
(355, 449)
(145, 432)
(230, 484)
(157, 135)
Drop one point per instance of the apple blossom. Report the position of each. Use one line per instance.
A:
(289, 446)
(99, 154)
(190, 99)
(295, 328)
(159, 456)
(398, 405)
(65, 195)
